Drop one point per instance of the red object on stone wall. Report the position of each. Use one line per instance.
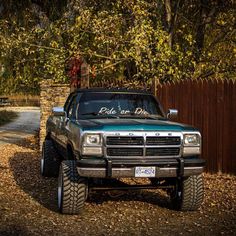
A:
(74, 71)
(78, 72)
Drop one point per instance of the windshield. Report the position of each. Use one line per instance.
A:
(116, 105)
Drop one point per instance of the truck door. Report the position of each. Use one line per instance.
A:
(64, 129)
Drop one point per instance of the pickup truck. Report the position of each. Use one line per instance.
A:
(101, 136)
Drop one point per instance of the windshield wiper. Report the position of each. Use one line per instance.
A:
(100, 115)
(89, 113)
(133, 115)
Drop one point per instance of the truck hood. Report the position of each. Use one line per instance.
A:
(132, 125)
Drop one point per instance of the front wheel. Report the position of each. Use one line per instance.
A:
(72, 189)
(189, 193)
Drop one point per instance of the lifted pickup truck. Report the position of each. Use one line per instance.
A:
(101, 135)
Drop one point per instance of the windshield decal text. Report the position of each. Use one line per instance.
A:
(113, 111)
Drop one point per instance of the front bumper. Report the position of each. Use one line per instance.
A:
(107, 168)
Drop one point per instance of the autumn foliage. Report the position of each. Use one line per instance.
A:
(123, 40)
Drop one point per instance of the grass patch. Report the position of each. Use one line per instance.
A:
(24, 100)
(7, 116)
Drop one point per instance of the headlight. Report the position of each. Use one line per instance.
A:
(191, 140)
(92, 145)
(192, 144)
(92, 140)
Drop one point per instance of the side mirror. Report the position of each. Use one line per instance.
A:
(58, 111)
(172, 113)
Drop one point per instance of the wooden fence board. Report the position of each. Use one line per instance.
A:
(197, 100)
(182, 112)
(219, 122)
(233, 127)
(212, 142)
(225, 130)
(167, 96)
(190, 94)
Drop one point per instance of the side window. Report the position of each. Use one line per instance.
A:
(67, 103)
(72, 108)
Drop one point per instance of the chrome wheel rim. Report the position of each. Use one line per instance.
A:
(42, 163)
(59, 190)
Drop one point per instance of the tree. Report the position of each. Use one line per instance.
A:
(134, 40)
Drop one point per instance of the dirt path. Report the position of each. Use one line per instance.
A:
(25, 125)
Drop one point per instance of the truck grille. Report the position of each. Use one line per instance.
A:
(163, 141)
(138, 146)
(125, 141)
(124, 152)
(162, 151)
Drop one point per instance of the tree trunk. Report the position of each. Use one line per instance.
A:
(168, 20)
(207, 13)
(171, 18)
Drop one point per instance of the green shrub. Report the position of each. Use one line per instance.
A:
(7, 116)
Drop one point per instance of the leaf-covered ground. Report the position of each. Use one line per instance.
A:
(28, 205)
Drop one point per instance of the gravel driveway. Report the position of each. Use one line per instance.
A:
(25, 125)
(28, 202)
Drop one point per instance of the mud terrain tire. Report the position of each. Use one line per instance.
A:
(72, 189)
(190, 193)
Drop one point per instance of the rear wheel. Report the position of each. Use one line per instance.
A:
(50, 160)
(189, 193)
(72, 189)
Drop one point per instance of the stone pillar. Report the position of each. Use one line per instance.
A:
(51, 95)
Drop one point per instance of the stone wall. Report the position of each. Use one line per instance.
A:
(51, 95)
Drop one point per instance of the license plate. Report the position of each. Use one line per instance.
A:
(145, 171)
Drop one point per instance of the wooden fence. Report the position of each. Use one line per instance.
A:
(211, 107)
